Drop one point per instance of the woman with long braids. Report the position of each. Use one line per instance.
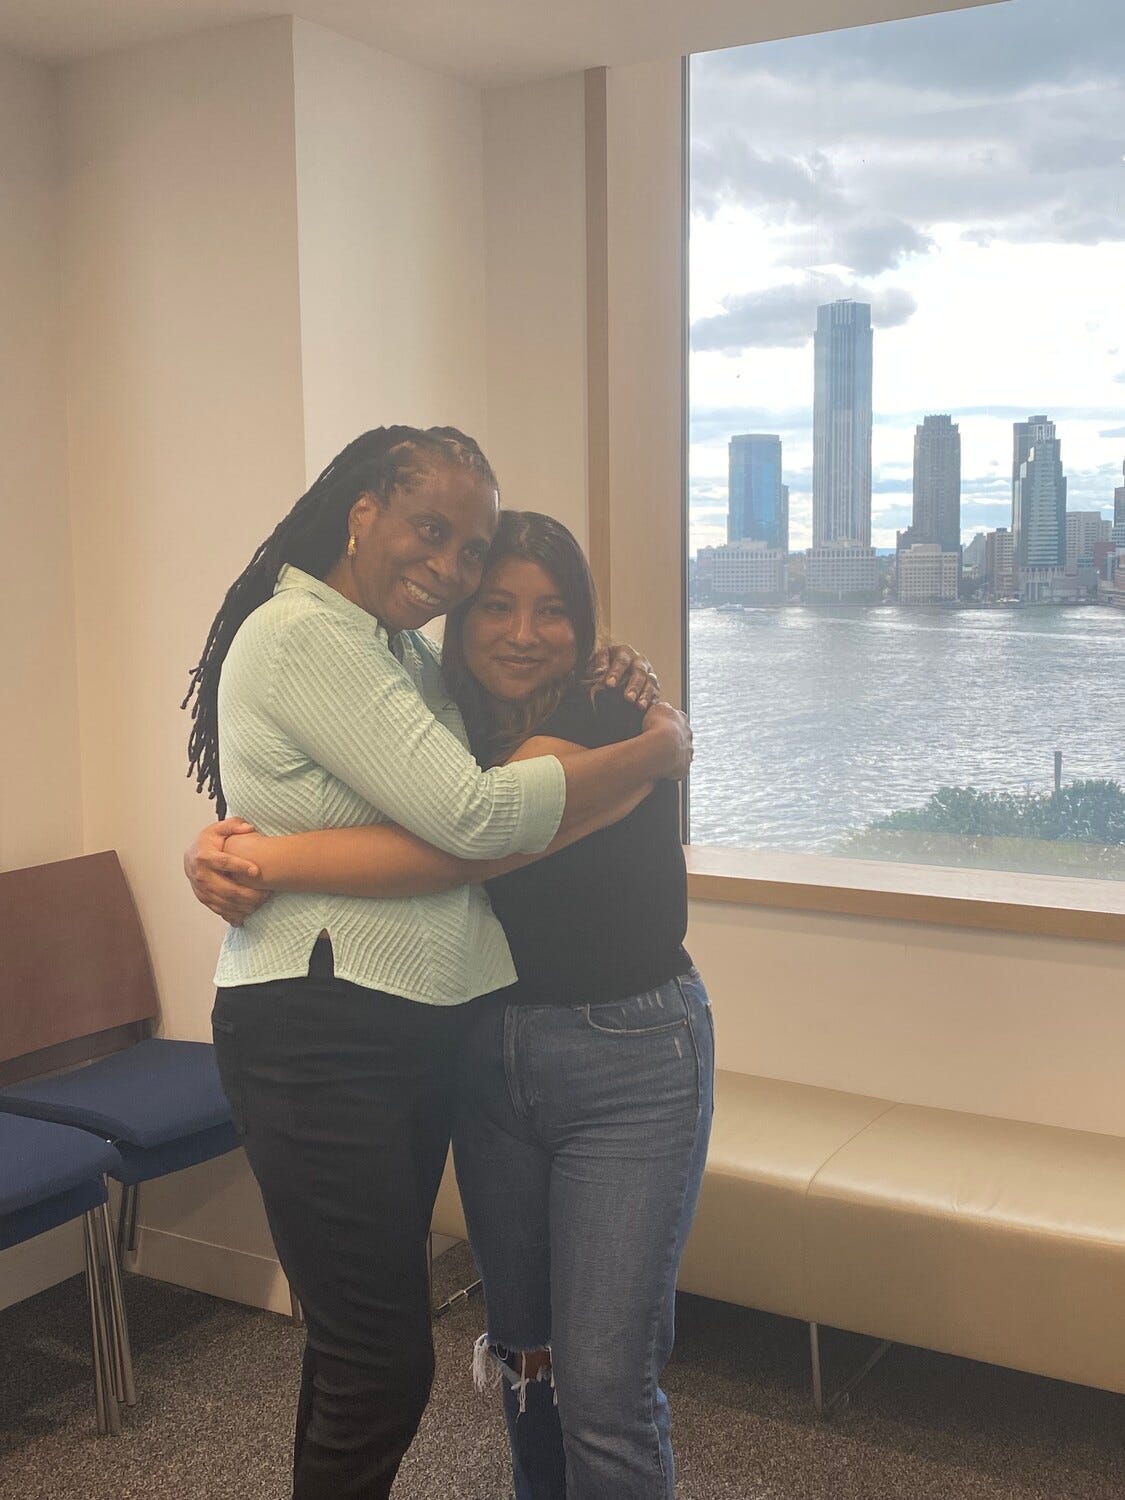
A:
(338, 1017)
(586, 1088)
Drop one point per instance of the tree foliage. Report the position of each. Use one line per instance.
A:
(1092, 812)
(1080, 831)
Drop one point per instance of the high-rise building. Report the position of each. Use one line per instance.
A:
(1039, 500)
(1000, 563)
(842, 425)
(1119, 512)
(841, 564)
(937, 483)
(1084, 530)
(758, 508)
(1023, 440)
(927, 574)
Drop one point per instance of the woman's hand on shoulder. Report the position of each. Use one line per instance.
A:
(217, 878)
(622, 667)
(675, 731)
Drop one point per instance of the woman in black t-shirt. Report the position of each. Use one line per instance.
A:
(586, 1088)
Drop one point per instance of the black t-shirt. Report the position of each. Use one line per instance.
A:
(606, 918)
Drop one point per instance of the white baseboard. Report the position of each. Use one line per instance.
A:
(256, 1280)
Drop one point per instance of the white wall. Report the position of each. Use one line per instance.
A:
(186, 445)
(40, 787)
(1029, 1028)
(390, 199)
(535, 225)
(40, 809)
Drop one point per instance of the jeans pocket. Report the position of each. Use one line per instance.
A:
(647, 1014)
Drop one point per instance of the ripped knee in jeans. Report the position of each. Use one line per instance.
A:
(493, 1362)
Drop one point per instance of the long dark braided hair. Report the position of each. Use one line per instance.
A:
(312, 537)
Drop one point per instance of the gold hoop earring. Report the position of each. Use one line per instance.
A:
(351, 546)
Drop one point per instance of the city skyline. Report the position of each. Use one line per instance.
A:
(961, 174)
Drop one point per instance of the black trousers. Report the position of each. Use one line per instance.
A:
(343, 1096)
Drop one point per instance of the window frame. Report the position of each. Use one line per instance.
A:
(629, 486)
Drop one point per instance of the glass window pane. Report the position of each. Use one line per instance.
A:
(907, 462)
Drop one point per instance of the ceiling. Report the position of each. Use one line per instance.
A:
(488, 42)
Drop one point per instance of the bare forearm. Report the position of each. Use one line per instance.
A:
(382, 860)
(600, 782)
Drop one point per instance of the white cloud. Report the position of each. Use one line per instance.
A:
(785, 316)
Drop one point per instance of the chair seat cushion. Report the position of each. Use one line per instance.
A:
(768, 1141)
(39, 1160)
(147, 1095)
(143, 1163)
(996, 1239)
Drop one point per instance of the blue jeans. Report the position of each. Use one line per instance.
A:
(580, 1141)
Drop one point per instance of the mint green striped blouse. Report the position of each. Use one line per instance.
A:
(321, 725)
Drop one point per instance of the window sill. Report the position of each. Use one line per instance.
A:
(1042, 905)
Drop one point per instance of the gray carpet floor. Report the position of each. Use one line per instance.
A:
(217, 1384)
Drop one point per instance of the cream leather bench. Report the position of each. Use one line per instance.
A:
(993, 1239)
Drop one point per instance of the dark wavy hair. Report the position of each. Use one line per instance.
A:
(312, 537)
(495, 728)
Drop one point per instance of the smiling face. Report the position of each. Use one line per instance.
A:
(421, 551)
(518, 634)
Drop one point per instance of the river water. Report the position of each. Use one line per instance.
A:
(809, 723)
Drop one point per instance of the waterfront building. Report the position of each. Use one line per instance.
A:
(842, 425)
(928, 574)
(841, 575)
(937, 483)
(1084, 530)
(1039, 514)
(1000, 563)
(758, 501)
(1049, 585)
(746, 572)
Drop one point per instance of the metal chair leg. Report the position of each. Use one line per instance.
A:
(127, 1221)
(296, 1311)
(109, 1413)
(439, 1309)
(122, 1354)
(826, 1406)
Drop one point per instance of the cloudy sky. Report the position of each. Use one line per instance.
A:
(963, 173)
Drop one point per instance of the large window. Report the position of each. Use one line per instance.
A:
(907, 411)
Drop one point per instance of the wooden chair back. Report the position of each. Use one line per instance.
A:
(76, 981)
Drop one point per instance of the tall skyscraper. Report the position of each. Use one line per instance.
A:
(758, 509)
(937, 483)
(1039, 511)
(842, 425)
(1119, 511)
(1023, 439)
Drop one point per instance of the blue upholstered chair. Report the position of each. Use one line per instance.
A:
(49, 1175)
(77, 993)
